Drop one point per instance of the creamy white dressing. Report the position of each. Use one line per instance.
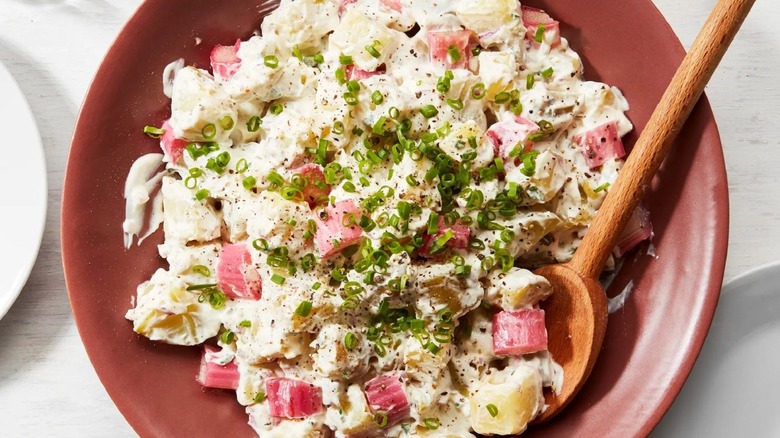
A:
(274, 118)
(617, 302)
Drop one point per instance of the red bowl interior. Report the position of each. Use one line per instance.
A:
(650, 345)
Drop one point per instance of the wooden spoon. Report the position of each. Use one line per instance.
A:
(577, 309)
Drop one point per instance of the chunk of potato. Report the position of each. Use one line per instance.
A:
(517, 288)
(514, 402)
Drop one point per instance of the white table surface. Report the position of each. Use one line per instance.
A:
(53, 48)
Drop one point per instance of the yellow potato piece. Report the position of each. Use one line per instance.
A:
(517, 401)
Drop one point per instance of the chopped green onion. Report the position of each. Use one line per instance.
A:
(455, 104)
(271, 61)
(539, 35)
(249, 182)
(297, 53)
(454, 53)
(350, 341)
(254, 124)
(412, 181)
(202, 270)
(345, 60)
(529, 81)
(547, 72)
(377, 97)
(393, 112)
(227, 337)
(492, 409)
(261, 244)
(242, 165)
(341, 76)
(338, 127)
(502, 97)
(318, 58)
(209, 131)
(278, 279)
(226, 123)
(350, 98)
(602, 187)
(202, 194)
(443, 85)
(431, 423)
(433, 223)
(276, 109)
(153, 131)
(372, 50)
(478, 91)
(429, 111)
(304, 309)
(353, 86)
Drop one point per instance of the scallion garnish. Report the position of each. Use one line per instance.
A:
(345, 60)
(454, 53)
(227, 337)
(429, 111)
(209, 131)
(492, 409)
(377, 97)
(304, 309)
(253, 124)
(602, 187)
(539, 35)
(226, 123)
(455, 104)
(351, 98)
(546, 73)
(202, 270)
(271, 61)
(350, 341)
(278, 279)
(372, 50)
(276, 109)
(202, 194)
(153, 131)
(501, 98)
(431, 423)
(529, 81)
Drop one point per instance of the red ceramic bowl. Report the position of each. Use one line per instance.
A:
(650, 345)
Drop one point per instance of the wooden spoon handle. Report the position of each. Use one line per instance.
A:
(656, 140)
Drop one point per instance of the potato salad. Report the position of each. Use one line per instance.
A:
(351, 201)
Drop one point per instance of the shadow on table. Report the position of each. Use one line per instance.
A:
(42, 312)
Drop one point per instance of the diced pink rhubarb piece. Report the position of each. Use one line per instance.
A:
(386, 394)
(172, 146)
(392, 4)
(461, 233)
(291, 398)
(638, 229)
(345, 4)
(225, 61)
(358, 74)
(533, 18)
(214, 375)
(333, 235)
(601, 144)
(235, 274)
(509, 134)
(519, 332)
(315, 191)
(439, 42)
